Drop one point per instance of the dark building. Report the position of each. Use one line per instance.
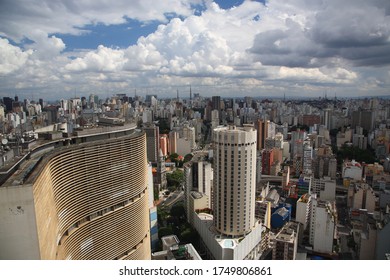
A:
(363, 118)
(8, 103)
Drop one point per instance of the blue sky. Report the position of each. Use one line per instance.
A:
(123, 35)
(55, 48)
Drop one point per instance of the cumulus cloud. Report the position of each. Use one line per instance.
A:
(11, 58)
(355, 30)
(103, 59)
(277, 46)
(71, 16)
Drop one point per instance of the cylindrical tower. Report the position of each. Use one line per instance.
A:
(234, 179)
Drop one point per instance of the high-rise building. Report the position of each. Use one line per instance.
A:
(325, 166)
(362, 196)
(198, 177)
(8, 103)
(262, 133)
(307, 157)
(234, 180)
(324, 188)
(152, 141)
(216, 104)
(164, 144)
(303, 210)
(322, 225)
(364, 119)
(81, 197)
(267, 160)
(161, 176)
(172, 147)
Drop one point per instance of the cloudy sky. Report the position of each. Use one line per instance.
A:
(55, 49)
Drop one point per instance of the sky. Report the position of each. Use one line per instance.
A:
(55, 49)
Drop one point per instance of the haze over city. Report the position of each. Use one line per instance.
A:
(300, 48)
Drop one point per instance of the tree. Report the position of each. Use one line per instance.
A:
(189, 235)
(178, 211)
(175, 178)
(164, 231)
(350, 152)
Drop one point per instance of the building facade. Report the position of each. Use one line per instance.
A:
(83, 197)
(234, 180)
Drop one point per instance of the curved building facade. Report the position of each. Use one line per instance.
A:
(90, 199)
(234, 180)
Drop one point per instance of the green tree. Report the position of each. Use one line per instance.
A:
(350, 152)
(178, 211)
(189, 235)
(175, 178)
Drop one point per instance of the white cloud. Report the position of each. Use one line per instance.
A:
(296, 45)
(326, 75)
(71, 16)
(103, 59)
(11, 58)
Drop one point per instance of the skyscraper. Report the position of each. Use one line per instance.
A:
(234, 180)
(80, 197)
(216, 104)
(152, 141)
(262, 133)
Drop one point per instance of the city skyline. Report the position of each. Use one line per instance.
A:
(229, 48)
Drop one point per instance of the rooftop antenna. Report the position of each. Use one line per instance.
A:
(177, 93)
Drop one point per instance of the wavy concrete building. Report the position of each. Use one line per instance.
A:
(81, 197)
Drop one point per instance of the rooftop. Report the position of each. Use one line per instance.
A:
(22, 167)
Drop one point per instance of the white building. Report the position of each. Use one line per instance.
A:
(361, 196)
(307, 157)
(352, 170)
(285, 244)
(229, 248)
(234, 179)
(323, 225)
(232, 233)
(325, 188)
(198, 177)
(303, 210)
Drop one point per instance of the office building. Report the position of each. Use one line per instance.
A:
(267, 159)
(262, 133)
(152, 141)
(198, 180)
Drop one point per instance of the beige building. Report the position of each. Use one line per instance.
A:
(322, 225)
(234, 179)
(361, 196)
(285, 243)
(80, 197)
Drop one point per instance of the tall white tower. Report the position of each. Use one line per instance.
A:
(234, 179)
